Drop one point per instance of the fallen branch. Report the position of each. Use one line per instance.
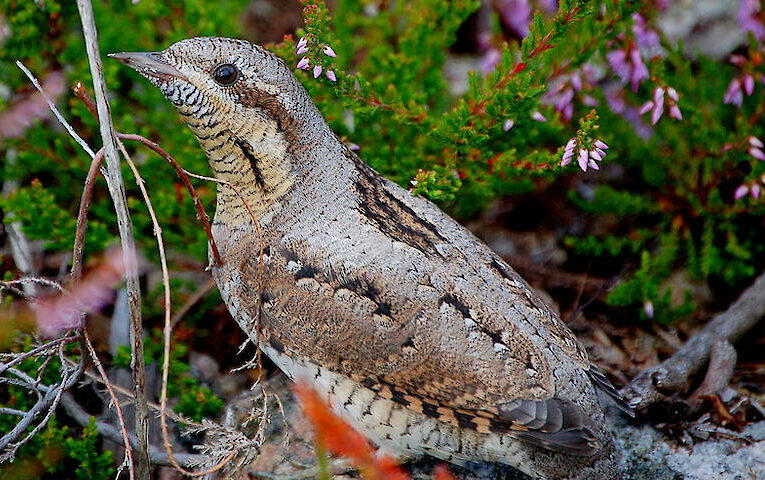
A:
(112, 433)
(670, 377)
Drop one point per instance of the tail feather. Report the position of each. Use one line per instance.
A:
(604, 384)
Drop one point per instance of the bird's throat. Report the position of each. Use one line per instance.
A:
(253, 165)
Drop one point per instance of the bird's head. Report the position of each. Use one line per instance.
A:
(256, 122)
(224, 82)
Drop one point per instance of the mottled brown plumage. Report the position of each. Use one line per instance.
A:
(416, 331)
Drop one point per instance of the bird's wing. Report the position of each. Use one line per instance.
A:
(407, 302)
(433, 351)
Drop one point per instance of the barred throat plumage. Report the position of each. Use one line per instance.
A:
(419, 334)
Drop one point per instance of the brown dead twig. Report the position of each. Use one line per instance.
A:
(669, 379)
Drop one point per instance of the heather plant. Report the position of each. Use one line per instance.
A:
(660, 151)
(683, 130)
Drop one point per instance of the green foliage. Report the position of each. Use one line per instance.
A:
(83, 450)
(192, 399)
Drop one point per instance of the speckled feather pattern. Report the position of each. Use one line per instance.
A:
(417, 332)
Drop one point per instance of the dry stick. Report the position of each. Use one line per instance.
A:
(117, 191)
(167, 329)
(76, 273)
(74, 410)
(55, 111)
(82, 215)
(117, 406)
(670, 376)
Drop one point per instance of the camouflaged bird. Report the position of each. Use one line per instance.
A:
(419, 334)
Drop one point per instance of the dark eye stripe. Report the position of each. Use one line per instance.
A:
(225, 74)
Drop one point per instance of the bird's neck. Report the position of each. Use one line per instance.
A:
(260, 159)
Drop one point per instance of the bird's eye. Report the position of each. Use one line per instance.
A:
(225, 74)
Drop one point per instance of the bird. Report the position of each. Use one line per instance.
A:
(417, 333)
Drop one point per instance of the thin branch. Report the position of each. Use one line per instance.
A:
(55, 111)
(116, 402)
(167, 333)
(82, 216)
(117, 191)
(671, 376)
(113, 434)
(45, 403)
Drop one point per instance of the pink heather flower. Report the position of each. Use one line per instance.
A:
(328, 51)
(755, 142)
(734, 95)
(750, 19)
(629, 66)
(301, 50)
(756, 153)
(568, 152)
(585, 158)
(489, 60)
(303, 63)
(331, 75)
(301, 43)
(538, 117)
(742, 190)
(508, 124)
(748, 83)
(354, 147)
(659, 103)
(645, 36)
(515, 15)
(317, 71)
(738, 88)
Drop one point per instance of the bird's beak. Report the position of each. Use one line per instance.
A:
(148, 64)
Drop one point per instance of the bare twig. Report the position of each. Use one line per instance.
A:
(671, 376)
(722, 362)
(55, 111)
(117, 191)
(48, 398)
(117, 406)
(112, 433)
(168, 330)
(39, 350)
(82, 215)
